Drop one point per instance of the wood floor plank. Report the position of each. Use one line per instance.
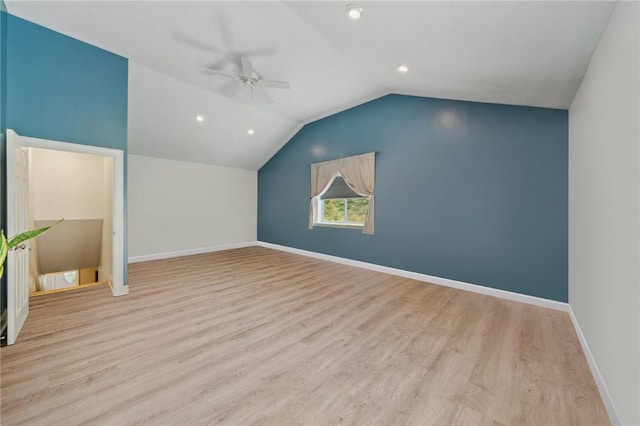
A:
(258, 336)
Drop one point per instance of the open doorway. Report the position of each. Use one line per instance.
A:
(77, 252)
(18, 208)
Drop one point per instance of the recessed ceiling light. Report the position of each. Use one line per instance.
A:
(199, 118)
(251, 131)
(403, 68)
(354, 11)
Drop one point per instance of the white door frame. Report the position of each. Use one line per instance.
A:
(118, 287)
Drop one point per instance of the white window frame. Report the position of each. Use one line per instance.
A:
(318, 220)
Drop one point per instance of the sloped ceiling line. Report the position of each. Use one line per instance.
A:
(525, 53)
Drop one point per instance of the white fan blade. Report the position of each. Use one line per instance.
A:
(274, 84)
(258, 93)
(186, 39)
(216, 72)
(247, 67)
(233, 88)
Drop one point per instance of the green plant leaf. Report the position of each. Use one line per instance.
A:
(24, 236)
(4, 250)
(27, 235)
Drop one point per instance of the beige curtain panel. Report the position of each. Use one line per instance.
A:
(358, 172)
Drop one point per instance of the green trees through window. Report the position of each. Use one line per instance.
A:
(345, 210)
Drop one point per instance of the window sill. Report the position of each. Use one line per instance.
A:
(339, 225)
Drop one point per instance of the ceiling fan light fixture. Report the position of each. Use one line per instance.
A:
(199, 118)
(354, 11)
(248, 78)
(403, 68)
(251, 131)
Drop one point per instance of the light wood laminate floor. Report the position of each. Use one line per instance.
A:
(259, 336)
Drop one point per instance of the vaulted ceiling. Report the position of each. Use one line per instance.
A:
(519, 52)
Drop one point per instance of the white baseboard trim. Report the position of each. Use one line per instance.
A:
(503, 294)
(116, 291)
(189, 252)
(602, 388)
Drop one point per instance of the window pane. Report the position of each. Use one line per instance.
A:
(334, 210)
(357, 209)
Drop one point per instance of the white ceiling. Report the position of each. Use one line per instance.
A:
(519, 52)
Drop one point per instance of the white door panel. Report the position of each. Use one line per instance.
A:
(17, 221)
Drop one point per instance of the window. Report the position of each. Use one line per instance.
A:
(339, 205)
(342, 192)
(343, 211)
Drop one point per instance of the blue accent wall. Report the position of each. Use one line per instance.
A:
(469, 191)
(3, 65)
(62, 89)
(3, 128)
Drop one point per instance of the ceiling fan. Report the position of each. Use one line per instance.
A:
(249, 78)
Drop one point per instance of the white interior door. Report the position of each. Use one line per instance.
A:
(17, 220)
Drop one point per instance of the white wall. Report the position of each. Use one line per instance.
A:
(604, 209)
(66, 185)
(176, 206)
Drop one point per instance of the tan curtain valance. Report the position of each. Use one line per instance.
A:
(358, 173)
